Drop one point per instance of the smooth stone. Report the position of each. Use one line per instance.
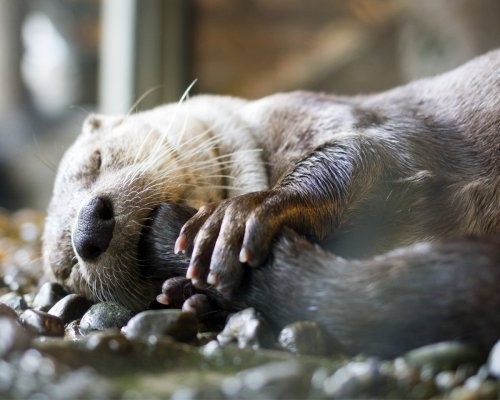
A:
(42, 323)
(474, 382)
(443, 356)
(70, 307)
(304, 337)
(423, 390)
(275, 380)
(111, 340)
(7, 376)
(34, 362)
(83, 383)
(105, 315)
(72, 330)
(6, 311)
(405, 374)
(48, 295)
(248, 329)
(494, 361)
(489, 390)
(466, 371)
(12, 336)
(189, 393)
(14, 301)
(446, 381)
(182, 326)
(355, 379)
(463, 393)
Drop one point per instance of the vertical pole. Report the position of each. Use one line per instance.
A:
(116, 58)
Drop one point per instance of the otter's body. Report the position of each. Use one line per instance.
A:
(361, 175)
(384, 305)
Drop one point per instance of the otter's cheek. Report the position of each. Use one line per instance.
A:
(58, 257)
(59, 270)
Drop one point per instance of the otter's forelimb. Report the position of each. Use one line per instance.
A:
(314, 199)
(384, 305)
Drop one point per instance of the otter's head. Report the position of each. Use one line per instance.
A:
(108, 186)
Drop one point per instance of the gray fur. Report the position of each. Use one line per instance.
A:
(361, 174)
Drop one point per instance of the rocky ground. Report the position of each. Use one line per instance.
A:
(57, 345)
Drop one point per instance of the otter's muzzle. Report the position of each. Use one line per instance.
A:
(94, 228)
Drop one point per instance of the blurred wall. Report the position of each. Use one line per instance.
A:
(58, 60)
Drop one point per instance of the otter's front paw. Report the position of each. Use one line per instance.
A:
(221, 237)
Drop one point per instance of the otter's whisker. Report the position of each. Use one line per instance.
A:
(143, 97)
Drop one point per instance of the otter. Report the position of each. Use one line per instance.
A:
(384, 305)
(415, 166)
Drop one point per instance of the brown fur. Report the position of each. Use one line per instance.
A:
(361, 175)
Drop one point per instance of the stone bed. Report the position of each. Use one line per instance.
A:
(57, 345)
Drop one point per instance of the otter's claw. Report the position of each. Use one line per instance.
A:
(221, 238)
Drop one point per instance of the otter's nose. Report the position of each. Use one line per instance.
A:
(94, 228)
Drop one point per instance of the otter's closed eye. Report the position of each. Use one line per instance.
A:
(88, 172)
(97, 160)
(94, 163)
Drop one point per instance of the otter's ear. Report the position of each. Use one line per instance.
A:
(96, 122)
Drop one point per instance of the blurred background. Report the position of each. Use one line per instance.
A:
(62, 59)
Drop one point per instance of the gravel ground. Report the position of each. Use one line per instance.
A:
(58, 345)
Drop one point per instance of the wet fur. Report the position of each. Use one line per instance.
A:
(424, 293)
(360, 175)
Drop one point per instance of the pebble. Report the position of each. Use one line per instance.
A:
(104, 315)
(12, 336)
(29, 373)
(248, 329)
(489, 390)
(443, 356)
(36, 376)
(111, 340)
(446, 381)
(270, 381)
(42, 323)
(402, 380)
(304, 337)
(405, 374)
(7, 376)
(466, 371)
(354, 379)
(191, 393)
(14, 301)
(48, 295)
(494, 361)
(182, 326)
(72, 330)
(70, 307)
(33, 362)
(463, 393)
(423, 390)
(6, 311)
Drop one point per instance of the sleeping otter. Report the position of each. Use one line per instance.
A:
(359, 175)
